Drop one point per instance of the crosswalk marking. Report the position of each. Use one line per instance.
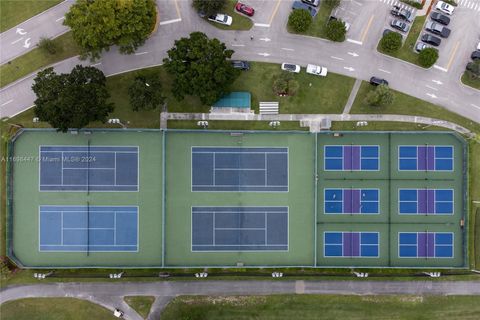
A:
(467, 4)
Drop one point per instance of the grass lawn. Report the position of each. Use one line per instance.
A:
(323, 306)
(471, 82)
(406, 52)
(141, 304)
(53, 309)
(405, 104)
(240, 21)
(235, 125)
(36, 59)
(315, 95)
(474, 182)
(13, 12)
(383, 126)
(317, 29)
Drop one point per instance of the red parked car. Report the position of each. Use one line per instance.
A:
(243, 8)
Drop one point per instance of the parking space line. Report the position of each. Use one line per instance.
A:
(178, 10)
(440, 68)
(367, 28)
(453, 55)
(170, 21)
(384, 71)
(355, 41)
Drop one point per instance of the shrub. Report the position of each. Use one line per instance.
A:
(391, 42)
(335, 30)
(427, 57)
(381, 96)
(47, 45)
(285, 84)
(300, 20)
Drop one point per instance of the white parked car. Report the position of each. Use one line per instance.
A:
(291, 67)
(445, 7)
(317, 70)
(478, 46)
(222, 19)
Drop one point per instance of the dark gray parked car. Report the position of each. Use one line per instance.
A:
(440, 18)
(438, 29)
(239, 64)
(434, 41)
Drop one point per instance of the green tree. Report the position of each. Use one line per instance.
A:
(200, 67)
(332, 3)
(71, 100)
(146, 92)
(285, 84)
(427, 57)
(391, 42)
(300, 20)
(99, 24)
(473, 69)
(209, 7)
(381, 96)
(335, 30)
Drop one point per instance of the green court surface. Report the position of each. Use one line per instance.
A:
(187, 217)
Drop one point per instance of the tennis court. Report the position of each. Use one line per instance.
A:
(239, 169)
(88, 168)
(85, 228)
(351, 158)
(425, 158)
(358, 201)
(425, 201)
(238, 199)
(239, 228)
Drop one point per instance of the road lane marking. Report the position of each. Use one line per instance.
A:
(438, 82)
(453, 55)
(475, 106)
(367, 28)
(354, 54)
(4, 104)
(384, 71)
(265, 54)
(355, 41)
(96, 64)
(432, 95)
(18, 40)
(178, 10)
(288, 49)
(140, 53)
(274, 12)
(349, 69)
(430, 87)
(169, 21)
(60, 19)
(336, 58)
(264, 25)
(440, 68)
(238, 45)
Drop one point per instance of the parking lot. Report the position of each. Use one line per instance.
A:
(390, 17)
(265, 10)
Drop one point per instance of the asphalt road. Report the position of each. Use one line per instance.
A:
(356, 58)
(111, 295)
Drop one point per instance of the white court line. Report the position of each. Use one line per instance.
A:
(355, 41)
(336, 58)
(60, 19)
(440, 68)
(17, 40)
(287, 49)
(140, 53)
(384, 71)
(264, 25)
(3, 104)
(170, 21)
(433, 88)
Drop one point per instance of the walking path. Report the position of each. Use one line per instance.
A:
(318, 117)
(110, 295)
(353, 95)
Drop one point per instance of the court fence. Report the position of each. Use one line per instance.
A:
(153, 271)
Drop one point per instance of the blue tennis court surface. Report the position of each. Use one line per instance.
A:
(425, 245)
(363, 201)
(93, 168)
(425, 201)
(94, 228)
(239, 169)
(351, 158)
(239, 228)
(425, 158)
(351, 244)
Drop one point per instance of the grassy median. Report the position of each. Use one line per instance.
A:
(474, 83)
(141, 304)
